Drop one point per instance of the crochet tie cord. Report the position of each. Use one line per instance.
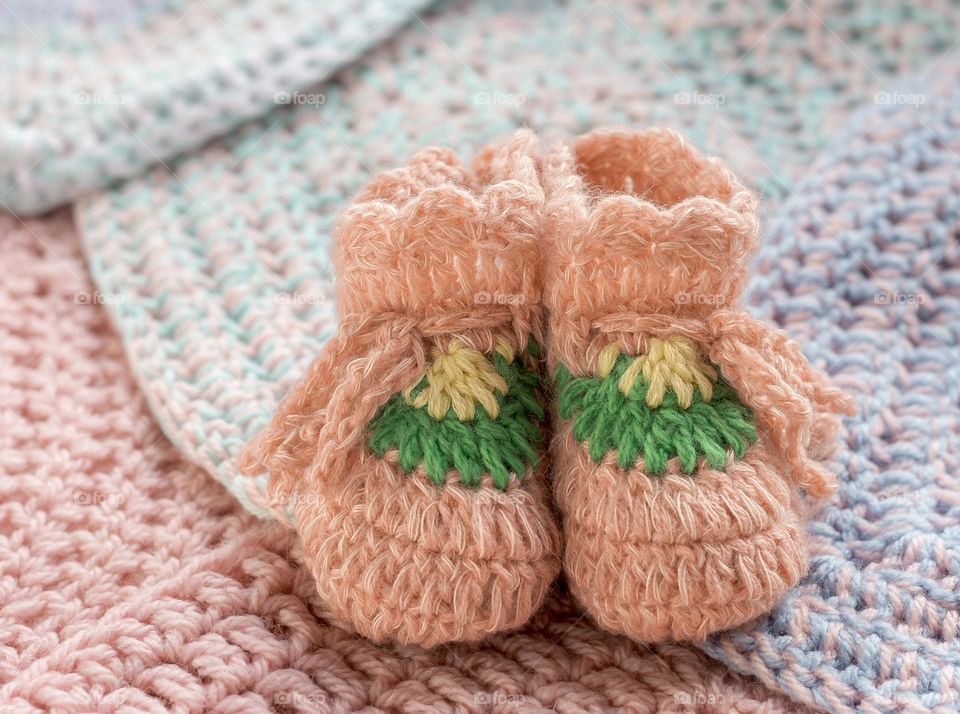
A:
(95, 94)
(679, 518)
(410, 447)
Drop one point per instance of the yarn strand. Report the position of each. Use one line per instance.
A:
(326, 413)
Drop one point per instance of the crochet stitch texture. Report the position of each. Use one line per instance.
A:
(498, 439)
(606, 419)
(646, 248)
(149, 588)
(93, 97)
(394, 553)
(200, 305)
(863, 268)
(228, 299)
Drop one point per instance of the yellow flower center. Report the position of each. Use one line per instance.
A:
(460, 378)
(674, 363)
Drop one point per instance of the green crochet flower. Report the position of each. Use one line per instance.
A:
(608, 419)
(498, 446)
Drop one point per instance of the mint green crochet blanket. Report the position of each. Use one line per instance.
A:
(96, 92)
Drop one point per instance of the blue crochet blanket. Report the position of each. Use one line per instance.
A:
(863, 267)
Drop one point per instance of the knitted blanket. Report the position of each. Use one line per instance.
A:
(98, 92)
(129, 582)
(216, 268)
(863, 267)
(218, 281)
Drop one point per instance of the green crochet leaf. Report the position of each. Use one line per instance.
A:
(500, 447)
(608, 420)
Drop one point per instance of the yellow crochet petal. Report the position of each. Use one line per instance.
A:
(676, 362)
(505, 350)
(607, 360)
(673, 363)
(460, 378)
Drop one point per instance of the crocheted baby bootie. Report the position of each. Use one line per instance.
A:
(412, 447)
(684, 427)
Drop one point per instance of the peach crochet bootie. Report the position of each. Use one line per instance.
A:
(684, 426)
(412, 447)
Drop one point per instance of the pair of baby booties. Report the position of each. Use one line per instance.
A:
(589, 295)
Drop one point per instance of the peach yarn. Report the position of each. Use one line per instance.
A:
(646, 239)
(134, 582)
(428, 255)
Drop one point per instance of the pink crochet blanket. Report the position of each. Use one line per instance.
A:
(130, 581)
